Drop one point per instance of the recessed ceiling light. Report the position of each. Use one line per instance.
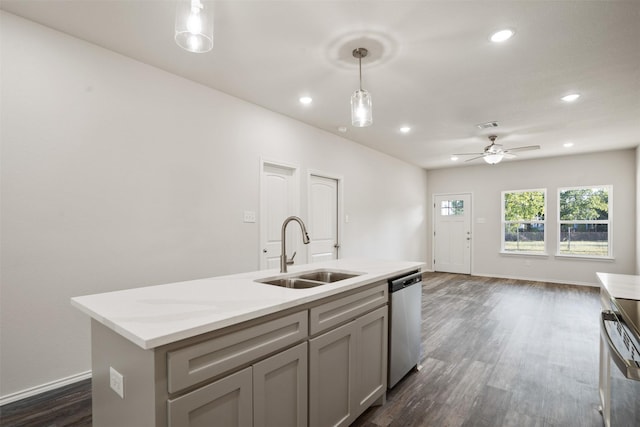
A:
(567, 144)
(454, 158)
(405, 129)
(305, 100)
(502, 35)
(571, 97)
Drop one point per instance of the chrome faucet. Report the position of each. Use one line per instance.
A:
(283, 254)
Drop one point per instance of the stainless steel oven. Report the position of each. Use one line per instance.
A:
(620, 363)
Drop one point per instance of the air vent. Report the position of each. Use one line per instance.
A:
(487, 125)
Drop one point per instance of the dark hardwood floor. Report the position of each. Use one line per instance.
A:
(500, 352)
(496, 352)
(66, 406)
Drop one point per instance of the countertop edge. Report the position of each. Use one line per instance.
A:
(620, 286)
(83, 304)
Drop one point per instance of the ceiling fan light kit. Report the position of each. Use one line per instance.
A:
(494, 153)
(361, 105)
(194, 26)
(493, 159)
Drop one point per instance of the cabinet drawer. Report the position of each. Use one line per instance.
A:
(333, 313)
(199, 362)
(226, 402)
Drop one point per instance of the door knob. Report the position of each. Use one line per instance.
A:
(264, 251)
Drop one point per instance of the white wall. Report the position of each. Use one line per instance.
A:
(486, 183)
(117, 175)
(637, 235)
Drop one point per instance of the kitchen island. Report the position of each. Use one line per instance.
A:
(232, 351)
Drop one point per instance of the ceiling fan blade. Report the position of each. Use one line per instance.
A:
(527, 148)
(474, 158)
(468, 154)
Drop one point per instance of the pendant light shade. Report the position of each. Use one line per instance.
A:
(194, 26)
(361, 106)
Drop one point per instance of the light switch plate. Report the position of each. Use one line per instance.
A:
(249, 216)
(116, 381)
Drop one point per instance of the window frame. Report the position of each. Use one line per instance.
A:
(609, 223)
(503, 223)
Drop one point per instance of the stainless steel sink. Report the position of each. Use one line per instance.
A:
(292, 282)
(309, 279)
(328, 276)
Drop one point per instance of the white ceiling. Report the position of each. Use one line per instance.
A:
(431, 66)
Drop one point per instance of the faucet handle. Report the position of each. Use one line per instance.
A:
(290, 260)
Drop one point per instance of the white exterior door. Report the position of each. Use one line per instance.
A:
(452, 233)
(279, 200)
(323, 218)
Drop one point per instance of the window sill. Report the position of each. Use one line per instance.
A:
(585, 257)
(526, 254)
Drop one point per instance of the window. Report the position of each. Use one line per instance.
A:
(523, 220)
(585, 227)
(451, 207)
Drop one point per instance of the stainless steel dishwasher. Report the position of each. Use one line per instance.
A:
(405, 321)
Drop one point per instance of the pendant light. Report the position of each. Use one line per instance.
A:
(361, 100)
(194, 26)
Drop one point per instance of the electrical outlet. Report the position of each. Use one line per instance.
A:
(116, 381)
(249, 216)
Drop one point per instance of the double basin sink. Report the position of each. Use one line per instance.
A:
(309, 279)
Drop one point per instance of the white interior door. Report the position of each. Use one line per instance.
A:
(279, 200)
(452, 233)
(323, 218)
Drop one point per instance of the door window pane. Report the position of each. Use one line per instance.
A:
(452, 207)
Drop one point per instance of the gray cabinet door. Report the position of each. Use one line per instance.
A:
(280, 389)
(332, 377)
(199, 362)
(226, 402)
(371, 366)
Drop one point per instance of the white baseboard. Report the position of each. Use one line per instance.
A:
(533, 279)
(23, 394)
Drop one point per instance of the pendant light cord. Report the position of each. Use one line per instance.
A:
(360, 68)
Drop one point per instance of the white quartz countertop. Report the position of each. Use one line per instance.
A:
(624, 286)
(153, 316)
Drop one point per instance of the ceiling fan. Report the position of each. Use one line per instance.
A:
(494, 153)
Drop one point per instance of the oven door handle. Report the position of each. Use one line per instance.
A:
(626, 368)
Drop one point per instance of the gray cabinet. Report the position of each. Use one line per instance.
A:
(348, 370)
(200, 362)
(280, 389)
(226, 402)
(320, 365)
(332, 377)
(273, 392)
(371, 365)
